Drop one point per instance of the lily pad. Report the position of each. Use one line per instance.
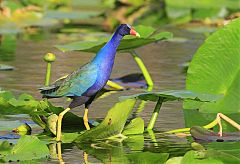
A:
(174, 95)
(148, 157)
(136, 126)
(149, 35)
(208, 157)
(27, 148)
(73, 15)
(215, 69)
(113, 123)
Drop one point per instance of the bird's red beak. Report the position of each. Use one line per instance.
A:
(134, 33)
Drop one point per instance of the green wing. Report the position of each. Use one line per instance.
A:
(74, 84)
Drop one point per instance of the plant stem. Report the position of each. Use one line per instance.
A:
(114, 85)
(185, 130)
(48, 74)
(153, 137)
(155, 114)
(142, 67)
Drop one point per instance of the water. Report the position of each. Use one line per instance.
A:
(163, 61)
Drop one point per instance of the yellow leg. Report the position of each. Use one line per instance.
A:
(85, 119)
(59, 149)
(85, 157)
(59, 126)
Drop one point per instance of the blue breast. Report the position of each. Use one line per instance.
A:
(104, 61)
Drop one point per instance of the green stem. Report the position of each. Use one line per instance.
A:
(142, 67)
(155, 114)
(186, 130)
(48, 74)
(153, 137)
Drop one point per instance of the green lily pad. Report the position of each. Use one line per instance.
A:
(10, 105)
(53, 14)
(136, 126)
(203, 4)
(148, 157)
(208, 157)
(215, 69)
(148, 35)
(25, 104)
(174, 95)
(113, 123)
(27, 148)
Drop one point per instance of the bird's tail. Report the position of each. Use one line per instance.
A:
(49, 91)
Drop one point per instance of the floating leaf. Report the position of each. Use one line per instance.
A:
(136, 126)
(148, 157)
(113, 123)
(174, 95)
(208, 157)
(27, 148)
(174, 160)
(215, 69)
(203, 4)
(149, 35)
(71, 14)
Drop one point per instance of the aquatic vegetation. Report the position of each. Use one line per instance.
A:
(27, 148)
(212, 86)
(220, 61)
(206, 10)
(164, 96)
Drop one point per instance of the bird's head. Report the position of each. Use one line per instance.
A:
(126, 29)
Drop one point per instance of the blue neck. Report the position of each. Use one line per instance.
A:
(107, 54)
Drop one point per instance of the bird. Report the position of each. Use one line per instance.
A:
(84, 84)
